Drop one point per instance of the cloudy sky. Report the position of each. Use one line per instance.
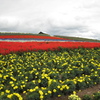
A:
(79, 18)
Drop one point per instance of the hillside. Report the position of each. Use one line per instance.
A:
(15, 33)
(78, 38)
(42, 70)
(45, 34)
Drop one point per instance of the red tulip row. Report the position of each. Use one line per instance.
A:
(29, 36)
(8, 47)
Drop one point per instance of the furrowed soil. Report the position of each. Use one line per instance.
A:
(88, 91)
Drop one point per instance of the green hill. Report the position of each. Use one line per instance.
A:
(78, 38)
(45, 34)
(15, 33)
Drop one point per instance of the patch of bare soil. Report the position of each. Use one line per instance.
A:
(88, 91)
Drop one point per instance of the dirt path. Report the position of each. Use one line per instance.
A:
(88, 91)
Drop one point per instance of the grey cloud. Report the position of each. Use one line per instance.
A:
(53, 18)
(77, 31)
(46, 26)
(68, 30)
(97, 35)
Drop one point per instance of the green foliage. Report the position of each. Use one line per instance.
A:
(33, 96)
(55, 73)
(96, 96)
(4, 97)
(15, 33)
(87, 97)
(81, 85)
(71, 85)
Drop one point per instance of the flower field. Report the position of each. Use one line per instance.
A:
(28, 36)
(43, 70)
(8, 47)
(41, 75)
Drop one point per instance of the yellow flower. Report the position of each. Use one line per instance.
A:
(54, 90)
(2, 93)
(42, 77)
(74, 92)
(49, 92)
(41, 97)
(39, 81)
(9, 96)
(4, 77)
(24, 91)
(10, 82)
(41, 93)
(61, 89)
(36, 73)
(26, 80)
(0, 75)
(43, 88)
(15, 87)
(46, 93)
(23, 82)
(36, 87)
(67, 87)
(12, 85)
(7, 91)
(59, 95)
(31, 90)
(1, 88)
(58, 87)
(13, 78)
(18, 95)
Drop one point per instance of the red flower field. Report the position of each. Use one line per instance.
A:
(7, 47)
(29, 36)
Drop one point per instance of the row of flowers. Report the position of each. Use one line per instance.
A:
(28, 36)
(42, 75)
(8, 47)
(94, 96)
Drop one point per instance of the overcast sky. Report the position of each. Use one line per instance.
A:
(79, 18)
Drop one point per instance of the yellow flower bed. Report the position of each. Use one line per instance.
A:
(42, 75)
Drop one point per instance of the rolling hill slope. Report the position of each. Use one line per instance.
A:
(45, 34)
(78, 38)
